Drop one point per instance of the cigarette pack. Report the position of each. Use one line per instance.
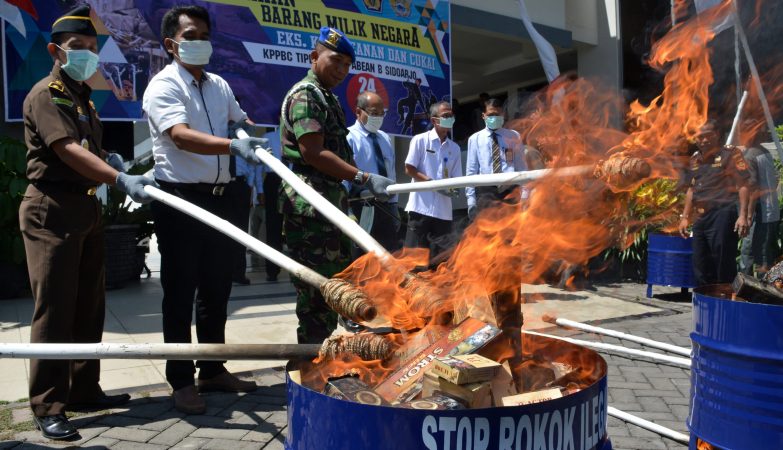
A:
(395, 388)
(353, 389)
(475, 395)
(503, 385)
(463, 369)
(532, 397)
(476, 340)
(437, 401)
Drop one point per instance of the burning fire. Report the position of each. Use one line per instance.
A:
(566, 221)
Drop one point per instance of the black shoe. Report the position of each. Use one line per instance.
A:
(55, 427)
(242, 280)
(271, 278)
(100, 403)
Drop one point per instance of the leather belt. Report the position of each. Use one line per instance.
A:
(43, 185)
(203, 188)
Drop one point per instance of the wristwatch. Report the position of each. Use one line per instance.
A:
(359, 178)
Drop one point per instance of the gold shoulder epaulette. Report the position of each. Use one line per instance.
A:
(57, 85)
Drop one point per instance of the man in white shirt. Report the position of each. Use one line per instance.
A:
(373, 153)
(432, 156)
(189, 111)
(492, 150)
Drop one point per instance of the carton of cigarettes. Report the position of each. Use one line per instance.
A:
(532, 397)
(354, 390)
(475, 395)
(437, 401)
(476, 340)
(503, 385)
(463, 369)
(395, 388)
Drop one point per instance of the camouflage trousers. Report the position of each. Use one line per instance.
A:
(322, 247)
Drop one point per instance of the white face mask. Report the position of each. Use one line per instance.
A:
(373, 123)
(195, 53)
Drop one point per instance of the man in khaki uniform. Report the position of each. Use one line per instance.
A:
(60, 220)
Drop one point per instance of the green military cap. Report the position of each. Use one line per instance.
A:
(76, 21)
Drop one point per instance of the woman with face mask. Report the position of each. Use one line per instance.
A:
(492, 150)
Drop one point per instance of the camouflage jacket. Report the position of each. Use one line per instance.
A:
(310, 108)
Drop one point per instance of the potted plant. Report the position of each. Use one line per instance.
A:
(13, 183)
(127, 229)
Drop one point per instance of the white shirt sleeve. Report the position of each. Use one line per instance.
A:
(472, 167)
(164, 105)
(415, 154)
(235, 112)
(456, 169)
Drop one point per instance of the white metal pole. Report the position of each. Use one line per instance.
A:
(620, 335)
(650, 426)
(331, 212)
(490, 179)
(676, 360)
(207, 352)
(298, 270)
(737, 117)
(754, 72)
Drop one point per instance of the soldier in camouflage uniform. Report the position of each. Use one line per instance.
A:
(313, 136)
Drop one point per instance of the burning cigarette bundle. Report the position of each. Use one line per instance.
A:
(348, 300)
(621, 171)
(367, 346)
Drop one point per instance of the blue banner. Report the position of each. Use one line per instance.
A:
(260, 47)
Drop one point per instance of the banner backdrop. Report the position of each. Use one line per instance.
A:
(261, 47)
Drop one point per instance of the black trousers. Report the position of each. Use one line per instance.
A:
(63, 238)
(715, 246)
(239, 193)
(193, 257)
(427, 232)
(274, 220)
(385, 224)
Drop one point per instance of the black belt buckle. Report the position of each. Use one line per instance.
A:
(218, 190)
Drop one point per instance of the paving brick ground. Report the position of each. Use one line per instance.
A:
(651, 390)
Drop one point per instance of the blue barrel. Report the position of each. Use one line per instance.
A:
(576, 421)
(669, 262)
(737, 372)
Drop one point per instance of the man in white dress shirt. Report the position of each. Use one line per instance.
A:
(373, 153)
(189, 111)
(492, 150)
(432, 156)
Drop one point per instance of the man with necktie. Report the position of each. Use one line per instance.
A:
(373, 153)
(492, 150)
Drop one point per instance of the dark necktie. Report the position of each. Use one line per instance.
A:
(495, 154)
(378, 155)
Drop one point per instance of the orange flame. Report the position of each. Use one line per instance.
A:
(565, 221)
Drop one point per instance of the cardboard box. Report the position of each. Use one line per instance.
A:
(475, 395)
(353, 389)
(395, 389)
(463, 369)
(503, 385)
(532, 397)
(441, 402)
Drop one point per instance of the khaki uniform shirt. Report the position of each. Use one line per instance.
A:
(58, 107)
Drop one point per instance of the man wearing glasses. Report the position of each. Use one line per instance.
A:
(432, 156)
(373, 153)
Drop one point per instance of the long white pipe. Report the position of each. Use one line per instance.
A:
(207, 352)
(650, 426)
(490, 179)
(298, 270)
(331, 212)
(676, 360)
(625, 336)
(754, 72)
(736, 122)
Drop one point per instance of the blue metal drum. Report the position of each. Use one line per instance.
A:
(737, 373)
(576, 421)
(669, 262)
